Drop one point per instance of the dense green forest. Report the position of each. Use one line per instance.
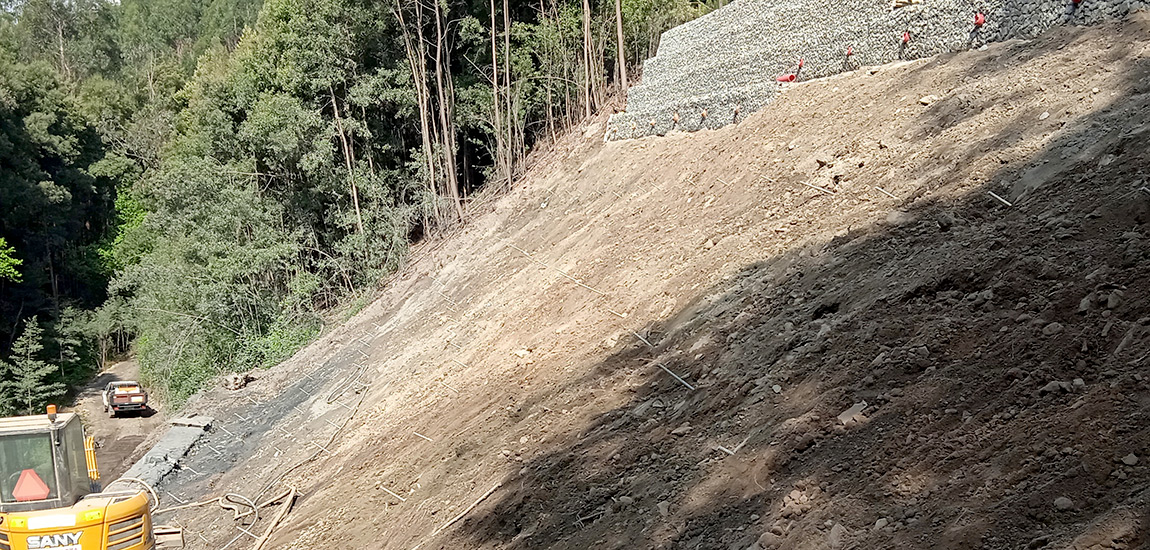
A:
(203, 182)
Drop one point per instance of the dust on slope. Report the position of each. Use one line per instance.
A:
(948, 312)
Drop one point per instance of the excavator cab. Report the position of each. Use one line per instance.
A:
(49, 491)
(42, 463)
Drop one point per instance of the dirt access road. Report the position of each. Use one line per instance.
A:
(120, 441)
(841, 247)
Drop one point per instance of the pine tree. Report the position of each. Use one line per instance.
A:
(30, 375)
(8, 402)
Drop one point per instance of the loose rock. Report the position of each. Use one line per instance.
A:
(768, 540)
(1052, 387)
(1086, 303)
(852, 412)
(237, 381)
(836, 536)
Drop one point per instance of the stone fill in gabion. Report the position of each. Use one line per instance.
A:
(721, 67)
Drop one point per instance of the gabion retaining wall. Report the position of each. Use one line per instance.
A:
(721, 67)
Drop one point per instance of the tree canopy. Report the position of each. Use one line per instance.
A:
(202, 182)
(9, 263)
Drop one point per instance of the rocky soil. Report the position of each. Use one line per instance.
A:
(903, 307)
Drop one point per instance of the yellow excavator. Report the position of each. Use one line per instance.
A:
(50, 497)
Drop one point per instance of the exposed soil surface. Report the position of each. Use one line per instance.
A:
(842, 247)
(123, 440)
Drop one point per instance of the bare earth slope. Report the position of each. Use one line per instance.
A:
(840, 247)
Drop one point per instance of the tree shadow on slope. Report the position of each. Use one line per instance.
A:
(997, 350)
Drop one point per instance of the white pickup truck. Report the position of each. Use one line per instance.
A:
(124, 396)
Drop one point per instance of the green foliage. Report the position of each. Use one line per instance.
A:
(54, 209)
(115, 250)
(53, 212)
(9, 403)
(69, 341)
(32, 386)
(282, 340)
(221, 174)
(9, 263)
(74, 35)
(83, 118)
(249, 227)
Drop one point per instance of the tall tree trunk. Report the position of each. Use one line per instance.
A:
(416, 59)
(152, 77)
(435, 130)
(496, 99)
(551, 110)
(600, 64)
(54, 282)
(60, 42)
(348, 158)
(370, 154)
(447, 125)
(512, 116)
(547, 53)
(589, 79)
(622, 58)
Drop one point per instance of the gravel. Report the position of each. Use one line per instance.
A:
(725, 63)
